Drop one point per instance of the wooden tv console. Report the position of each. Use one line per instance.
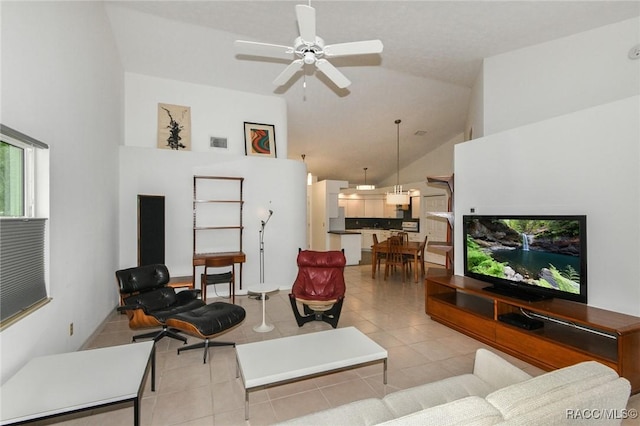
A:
(572, 332)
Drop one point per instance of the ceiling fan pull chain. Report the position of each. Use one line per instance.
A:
(304, 87)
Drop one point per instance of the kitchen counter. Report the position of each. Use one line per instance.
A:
(349, 241)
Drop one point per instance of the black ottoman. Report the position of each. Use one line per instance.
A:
(206, 322)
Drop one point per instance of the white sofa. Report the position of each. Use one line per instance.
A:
(497, 393)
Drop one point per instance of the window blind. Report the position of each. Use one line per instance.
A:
(22, 279)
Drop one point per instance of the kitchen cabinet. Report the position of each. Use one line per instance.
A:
(366, 239)
(356, 208)
(416, 237)
(415, 207)
(389, 210)
(373, 207)
(363, 206)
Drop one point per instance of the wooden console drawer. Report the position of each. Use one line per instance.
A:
(545, 353)
(573, 332)
(466, 322)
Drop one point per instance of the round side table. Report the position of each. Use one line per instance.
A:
(263, 289)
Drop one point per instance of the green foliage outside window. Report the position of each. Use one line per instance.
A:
(11, 180)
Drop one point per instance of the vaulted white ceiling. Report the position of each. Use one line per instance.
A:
(433, 51)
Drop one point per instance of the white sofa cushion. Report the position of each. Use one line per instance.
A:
(418, 398)
(365, 412)
(473, 411)
(539, 392)
(601, 405)
(496, 371)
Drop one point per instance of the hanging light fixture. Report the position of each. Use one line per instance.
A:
(365, 187)
(309, 175)
(397, 196)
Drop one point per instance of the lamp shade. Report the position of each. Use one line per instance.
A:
(396, 199)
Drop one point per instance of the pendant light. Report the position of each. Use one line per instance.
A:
(397, 196)
(365, 187)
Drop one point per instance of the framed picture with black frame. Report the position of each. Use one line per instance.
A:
(260, 139)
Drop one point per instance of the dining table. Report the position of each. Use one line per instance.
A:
(412, 248)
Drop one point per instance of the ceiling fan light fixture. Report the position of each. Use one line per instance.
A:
(309, 58)
(397, 196)
(309, 49)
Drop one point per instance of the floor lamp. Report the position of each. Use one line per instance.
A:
(263, 224)
(264, 327)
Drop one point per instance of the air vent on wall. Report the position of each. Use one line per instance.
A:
(218, 142)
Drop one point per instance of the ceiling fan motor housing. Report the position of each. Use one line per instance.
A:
(309, 52)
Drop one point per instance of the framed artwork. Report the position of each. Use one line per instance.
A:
(174, 127)
(260, 139)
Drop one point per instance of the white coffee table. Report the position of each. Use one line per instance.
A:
(263, 289)
(54, 385)
(272, 362)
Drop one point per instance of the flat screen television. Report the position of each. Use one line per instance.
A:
(528, 257)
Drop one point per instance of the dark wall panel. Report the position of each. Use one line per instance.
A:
(150, 229)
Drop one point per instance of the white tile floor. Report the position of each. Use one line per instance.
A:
(391, 312)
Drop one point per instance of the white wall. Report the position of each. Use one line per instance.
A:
(276, 184)
(561, 76)
(474, 127)
(436, 163)
(561, 126)
(585, 162)
(62, 84)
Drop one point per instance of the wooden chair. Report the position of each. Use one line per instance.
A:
(379, 256)
(228, 276)
(423, 245)
(395, 257)
(404, 237)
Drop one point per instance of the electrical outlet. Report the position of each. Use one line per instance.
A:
(71, 329)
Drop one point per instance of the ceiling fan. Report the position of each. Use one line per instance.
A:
(309, 49)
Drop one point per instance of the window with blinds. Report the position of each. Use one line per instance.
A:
(22, 235)
(22, 281)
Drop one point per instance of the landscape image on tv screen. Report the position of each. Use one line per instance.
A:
(543, 253)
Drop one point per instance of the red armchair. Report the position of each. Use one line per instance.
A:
(319, 287)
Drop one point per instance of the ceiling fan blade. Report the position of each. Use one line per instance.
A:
(263, 49)
(332, 72)
(306, 23)
(353, 48)
(288, 72)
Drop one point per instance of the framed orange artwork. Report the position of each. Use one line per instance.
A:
(260, 139)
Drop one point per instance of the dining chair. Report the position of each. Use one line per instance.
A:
(379, 256)
(421, 258)
(404, 237)
(395, 257)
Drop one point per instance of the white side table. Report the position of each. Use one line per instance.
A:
(53, 385)
(263, 289)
